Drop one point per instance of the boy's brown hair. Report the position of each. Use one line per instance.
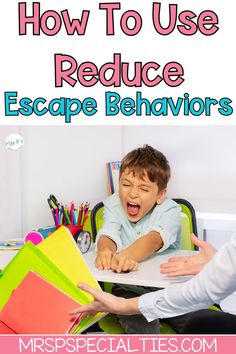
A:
(149, 160)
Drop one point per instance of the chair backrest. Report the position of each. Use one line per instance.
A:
(188, 222)
(96, 218)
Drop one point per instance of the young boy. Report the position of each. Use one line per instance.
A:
(139, 221)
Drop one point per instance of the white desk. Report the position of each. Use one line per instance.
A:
(148, 273)
(5, 257)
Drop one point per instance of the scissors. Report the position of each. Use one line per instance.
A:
(53, 203)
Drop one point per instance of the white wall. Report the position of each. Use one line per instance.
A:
(202, 159)
(203, 167)
(69, 161)
(66, 161)
(10, 187)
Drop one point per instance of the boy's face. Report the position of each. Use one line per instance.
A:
(138, 195)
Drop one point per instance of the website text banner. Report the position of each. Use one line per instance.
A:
(13, 344)
(124, 62)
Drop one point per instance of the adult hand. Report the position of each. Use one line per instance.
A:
(105, 302)
(189, 265)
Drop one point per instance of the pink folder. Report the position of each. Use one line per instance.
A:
(37, 307)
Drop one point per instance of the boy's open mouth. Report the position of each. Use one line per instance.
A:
(133, 209)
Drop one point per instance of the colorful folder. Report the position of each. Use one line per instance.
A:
(58, 261)
(29, 258)
(38, 307)
(4, 329)
(63, 251)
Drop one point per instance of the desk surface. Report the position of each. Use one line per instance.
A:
(5, 257)
(148, 273)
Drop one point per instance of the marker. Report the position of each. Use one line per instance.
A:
(67, 216)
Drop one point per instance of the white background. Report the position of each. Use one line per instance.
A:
(27, 62)
(70, 160)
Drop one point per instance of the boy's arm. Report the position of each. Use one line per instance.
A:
(161, 234)
(128, 258)
(108, 239)
(143, 247)
(105, 251)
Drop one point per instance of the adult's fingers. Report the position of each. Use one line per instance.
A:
(177, 259)
(197, 241)
(89, 289)
(82, 309)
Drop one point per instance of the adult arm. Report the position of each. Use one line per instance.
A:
(216, 281)
(105, 302)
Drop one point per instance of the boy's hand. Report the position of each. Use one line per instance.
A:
(103, 259)
(105, 250)
(122, 262)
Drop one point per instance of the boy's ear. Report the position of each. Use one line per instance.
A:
(161, 196)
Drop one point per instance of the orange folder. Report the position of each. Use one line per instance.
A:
(4, 329)
(38, 307)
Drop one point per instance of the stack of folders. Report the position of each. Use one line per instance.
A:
(113, 171)
(38, 288)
